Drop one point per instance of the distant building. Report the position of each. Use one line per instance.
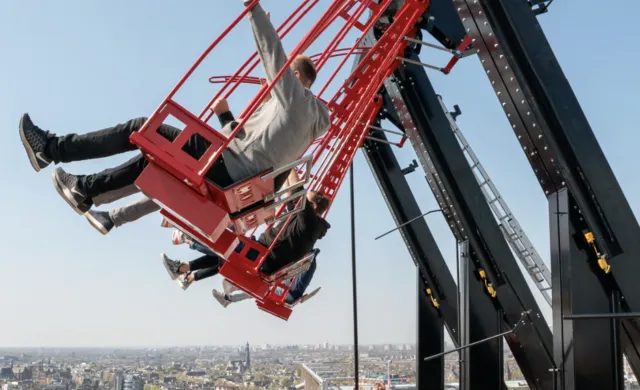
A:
(22, 373)
(241, 366)
(227, 386)
(247, 358)
(57, 386)
(118, 382)
(7, 373)
(88, 384)
(169, 379)
(133, 382)
(10, 386)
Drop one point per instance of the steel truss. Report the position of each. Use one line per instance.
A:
(594, 234)
(595, 246)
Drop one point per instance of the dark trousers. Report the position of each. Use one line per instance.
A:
(210, 259)
(115, 140)
(207, 266)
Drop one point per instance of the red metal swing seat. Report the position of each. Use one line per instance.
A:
(275, 302)
(219, 217)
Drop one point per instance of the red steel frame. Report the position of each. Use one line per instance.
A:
(174, 179)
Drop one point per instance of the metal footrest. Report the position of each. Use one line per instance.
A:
(196, 212)
(241, 279)
(280, 311)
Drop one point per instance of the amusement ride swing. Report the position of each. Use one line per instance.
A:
(221, 218)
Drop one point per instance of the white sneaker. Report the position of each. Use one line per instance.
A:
(178, 237)
(220, 297)
(165, 223)
(183, 282)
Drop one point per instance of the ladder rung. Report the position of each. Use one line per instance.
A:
(545, 289)
(483, 183)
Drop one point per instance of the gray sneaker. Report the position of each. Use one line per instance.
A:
(183, 282)
(100, 220)
(221, 298)
(172, 266)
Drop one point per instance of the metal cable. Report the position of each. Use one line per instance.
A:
(353, 276)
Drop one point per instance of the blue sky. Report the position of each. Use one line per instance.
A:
(87, 65)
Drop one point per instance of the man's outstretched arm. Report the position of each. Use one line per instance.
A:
(273, 56)
(220, 107)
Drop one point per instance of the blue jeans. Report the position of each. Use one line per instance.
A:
(196, 246)
(302, 282)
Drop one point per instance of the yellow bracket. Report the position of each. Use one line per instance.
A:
(434, 301)
(604, 265)
(492, 291)
(602, 260)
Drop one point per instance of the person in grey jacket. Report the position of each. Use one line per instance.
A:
(275, 135)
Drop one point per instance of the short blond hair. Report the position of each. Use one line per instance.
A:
(307, 69)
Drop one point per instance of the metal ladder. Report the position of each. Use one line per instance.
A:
(511, 229)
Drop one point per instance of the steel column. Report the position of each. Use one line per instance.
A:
(557, 140)
(429, 340)
(464, 269)
(584, 350)
(485, 358)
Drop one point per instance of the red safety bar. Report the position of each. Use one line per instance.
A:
(353, 109)
(466, 42)
(176, 181)
(356, 85)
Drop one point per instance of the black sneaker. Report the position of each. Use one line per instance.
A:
(67, 186)
(34, 141)
(100, 220)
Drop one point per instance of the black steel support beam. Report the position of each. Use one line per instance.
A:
(464, 281)
(570, 139)
(427, 256)
(486, 362)
(558, 141)
(584, 350)
(441, 20)
(443, 23)
(532, 345)
(429, 341)
(566, 132)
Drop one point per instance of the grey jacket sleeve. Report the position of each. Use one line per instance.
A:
(323, 123)
(273, 57)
